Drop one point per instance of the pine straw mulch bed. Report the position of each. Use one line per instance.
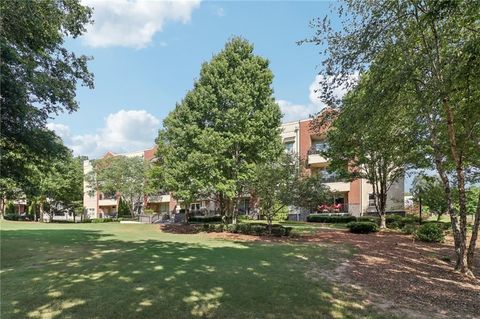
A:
(412, 278)
(406, 277)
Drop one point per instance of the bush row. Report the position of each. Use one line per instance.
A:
(205, 219)
(248, 229)
(322, 218)
(101, 220)
(18, 217)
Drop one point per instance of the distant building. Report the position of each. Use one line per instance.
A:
(354, 197)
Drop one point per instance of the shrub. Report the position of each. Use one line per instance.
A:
(248, 229)
(410, 228)
(205, 219)
(362, 227)
(11, 216)
(321, 218)
(430, 232)
(149, 211)
(102, 220)
(10, 208)
(372, 219)
(442, 225)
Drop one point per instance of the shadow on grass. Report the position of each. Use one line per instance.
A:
(85, 274)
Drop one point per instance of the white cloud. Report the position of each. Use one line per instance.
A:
(124, 131)
(133, 23)
(220, 12)
(294, 112)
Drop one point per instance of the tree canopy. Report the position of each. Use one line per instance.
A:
(228, 123)
(425, 56)
(39, 77)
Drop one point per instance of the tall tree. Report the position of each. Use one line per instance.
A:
(121, 176)
(427, 52)
(226, 125)
(38, 78)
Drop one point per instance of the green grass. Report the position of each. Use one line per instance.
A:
(117, 270)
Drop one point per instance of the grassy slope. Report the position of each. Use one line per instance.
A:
(135, 271)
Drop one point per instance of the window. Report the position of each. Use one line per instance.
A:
(371, 200)
(319, 146)
(289, 147)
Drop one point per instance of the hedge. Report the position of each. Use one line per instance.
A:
(362, 227)
(205, 219)
(321, 218)
(102, 220)
(248, 229)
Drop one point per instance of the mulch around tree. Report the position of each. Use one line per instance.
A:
(410, 278)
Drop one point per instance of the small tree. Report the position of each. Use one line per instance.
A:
(430, 190)
(309, 191)
(370, 143)
(120, 175)
(273, 184)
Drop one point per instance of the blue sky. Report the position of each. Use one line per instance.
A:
(148, 53)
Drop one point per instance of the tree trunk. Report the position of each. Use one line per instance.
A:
(383, 221)
(473, 239)
(420, 209)
(2, 207)
(41, 211)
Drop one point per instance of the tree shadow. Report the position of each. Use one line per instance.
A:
(88, 274)
(415, 275)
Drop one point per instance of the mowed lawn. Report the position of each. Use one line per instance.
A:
(136, 271)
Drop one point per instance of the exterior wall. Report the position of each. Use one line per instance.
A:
(96, 207)
(356, 192)
(90, 202)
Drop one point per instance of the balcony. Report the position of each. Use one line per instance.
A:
(107, 202)
(160, 198)
(315, 159)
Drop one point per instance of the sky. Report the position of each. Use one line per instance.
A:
(147, 54)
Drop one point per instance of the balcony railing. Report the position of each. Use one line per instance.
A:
(331, 178)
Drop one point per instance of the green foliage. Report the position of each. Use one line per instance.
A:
(149, 211)
(362, 227)
(430, 190)
(309, 191)
(255, 229)
(205, 219)
(399, 222)
(102, 220)
(39, 79)
(11, 216)
(274, 184)
(322, 218)
(430, 232)
(226, 125)
(10, 208)
(120, 175)
(123, 209)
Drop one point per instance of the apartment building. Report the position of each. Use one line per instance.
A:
(99, 205)
(354, 197)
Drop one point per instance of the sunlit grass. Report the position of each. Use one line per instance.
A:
(136, 271)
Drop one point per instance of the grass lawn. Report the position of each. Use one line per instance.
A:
(117, 270)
